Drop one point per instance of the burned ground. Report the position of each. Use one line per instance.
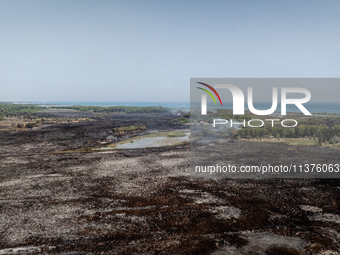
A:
(144, 201)
(69, 136)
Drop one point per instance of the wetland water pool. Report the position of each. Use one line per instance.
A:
(151, 140)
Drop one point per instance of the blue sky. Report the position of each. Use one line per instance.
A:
(149, 50)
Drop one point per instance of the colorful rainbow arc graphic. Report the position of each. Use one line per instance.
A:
(213, 90)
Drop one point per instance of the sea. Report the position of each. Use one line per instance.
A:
(108, 103)
(326, 107)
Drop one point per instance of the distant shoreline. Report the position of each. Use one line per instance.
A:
(314, 108)
(103, 104)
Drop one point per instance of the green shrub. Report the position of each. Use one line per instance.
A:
(184, 120)
(129, 128)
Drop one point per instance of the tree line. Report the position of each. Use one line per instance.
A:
(322, 132)
(125, 109)
(10, 109)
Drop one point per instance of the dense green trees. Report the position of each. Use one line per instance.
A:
(12, 109)
(217, 114)
(125, 109)
(322, 132)
(227, 114)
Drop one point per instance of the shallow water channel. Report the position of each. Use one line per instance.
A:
(150, 140)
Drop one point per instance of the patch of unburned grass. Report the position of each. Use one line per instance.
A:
(301, 142)
(336, 146)
(89, 149)
(289, 141)
(14, 129)
(184, 120)
(175, 134)
(129, 128)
